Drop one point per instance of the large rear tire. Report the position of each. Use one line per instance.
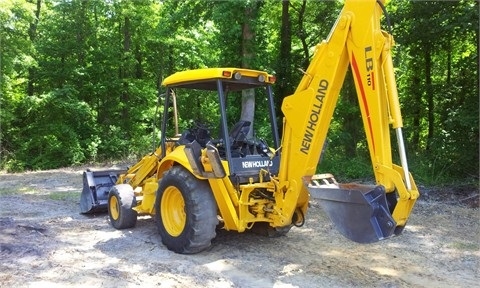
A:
(186, 212)
(121, 200)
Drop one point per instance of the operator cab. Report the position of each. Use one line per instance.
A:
(212, 120)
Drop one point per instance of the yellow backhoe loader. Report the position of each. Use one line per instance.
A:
(216, 176)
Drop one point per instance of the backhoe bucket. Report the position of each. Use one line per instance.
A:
(96, 185)
(359, 212)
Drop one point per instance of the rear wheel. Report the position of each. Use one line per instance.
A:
(121, 200)
(186, 212)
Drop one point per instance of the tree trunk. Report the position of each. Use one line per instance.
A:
(303, 35)
(284, 74)
(32, 34)
(248, 54)
(127, 38)
(417, 96)
(430, 100)
(139, 62)
(352, 123)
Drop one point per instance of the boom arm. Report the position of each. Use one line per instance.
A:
(356, 40)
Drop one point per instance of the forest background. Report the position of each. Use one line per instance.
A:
(79, 79)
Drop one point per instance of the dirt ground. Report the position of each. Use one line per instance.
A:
(46, 242)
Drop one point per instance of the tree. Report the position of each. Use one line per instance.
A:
(242, 30)
(434, 98)
(103, 62)
(284, 69)
(16, 59)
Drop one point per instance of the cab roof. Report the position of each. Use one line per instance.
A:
(206, 79)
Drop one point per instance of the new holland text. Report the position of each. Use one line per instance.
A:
(314, 116)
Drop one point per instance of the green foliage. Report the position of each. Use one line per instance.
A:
(79, 79)
(56, 130)
(15, 47)
(439, 86)
(346, 169)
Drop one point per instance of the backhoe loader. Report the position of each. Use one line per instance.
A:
(213, 175)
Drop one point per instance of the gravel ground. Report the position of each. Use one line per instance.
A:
(46, 242)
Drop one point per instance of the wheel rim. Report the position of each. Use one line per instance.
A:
(173, 211)
(114, 208)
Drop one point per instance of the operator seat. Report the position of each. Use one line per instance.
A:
(238, 133)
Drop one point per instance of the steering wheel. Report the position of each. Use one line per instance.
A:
(239, 133)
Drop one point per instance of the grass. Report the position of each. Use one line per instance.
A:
(56, 195)
(64, 196)
(8, 192)
(465, 246)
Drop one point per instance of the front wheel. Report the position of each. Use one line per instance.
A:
(186, 212)
(121, 200)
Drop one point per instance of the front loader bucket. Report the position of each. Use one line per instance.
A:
(359, 212)
(96, 185)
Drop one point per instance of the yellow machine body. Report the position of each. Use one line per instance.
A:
(277, 194)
